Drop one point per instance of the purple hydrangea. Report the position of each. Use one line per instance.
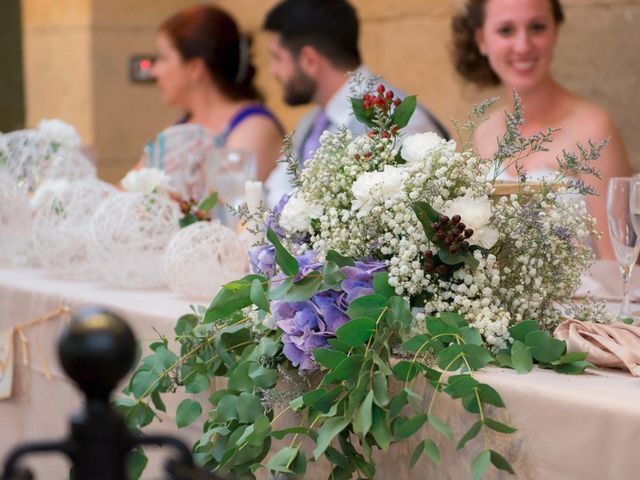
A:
(263, 260)
(308, 325)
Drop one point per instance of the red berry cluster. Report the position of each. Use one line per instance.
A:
(383, 100)
(450, 234)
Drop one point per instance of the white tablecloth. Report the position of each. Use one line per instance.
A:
(569, 427)
(40, 408)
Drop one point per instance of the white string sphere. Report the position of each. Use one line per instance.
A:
(32, 159)
(61, 227)
(129, 233)
(15, 223)
(201, 258)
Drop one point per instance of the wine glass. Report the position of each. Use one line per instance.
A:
(621, 205)
(226, 172)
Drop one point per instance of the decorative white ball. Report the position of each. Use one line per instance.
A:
(15, 223)
(61, 226)
(201, 258)
(33, 158)
(129, 234)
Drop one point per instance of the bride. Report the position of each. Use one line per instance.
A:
(511, 43)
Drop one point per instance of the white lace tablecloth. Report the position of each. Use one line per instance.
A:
(569, 427)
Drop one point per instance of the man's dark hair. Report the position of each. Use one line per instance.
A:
(329, 26)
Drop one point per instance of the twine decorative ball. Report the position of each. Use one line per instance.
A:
(61, 227)
(128, 235)
(32, 159)
(15, 223)
(201, 258)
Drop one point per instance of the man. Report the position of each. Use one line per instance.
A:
(314, 47)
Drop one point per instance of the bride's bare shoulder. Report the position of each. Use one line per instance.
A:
(591, 120)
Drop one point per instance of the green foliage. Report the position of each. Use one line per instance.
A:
(363, 398)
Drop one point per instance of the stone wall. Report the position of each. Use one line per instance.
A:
(76, 55)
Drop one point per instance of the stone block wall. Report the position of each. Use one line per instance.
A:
(76, 55)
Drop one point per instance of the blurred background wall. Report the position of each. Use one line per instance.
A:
(75, 63)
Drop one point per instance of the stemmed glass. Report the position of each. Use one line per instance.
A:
(623, 211)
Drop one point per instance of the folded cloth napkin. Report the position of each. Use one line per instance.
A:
(613, 346)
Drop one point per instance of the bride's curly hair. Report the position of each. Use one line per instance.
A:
(467, 59)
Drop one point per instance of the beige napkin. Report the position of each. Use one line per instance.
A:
(613, 346)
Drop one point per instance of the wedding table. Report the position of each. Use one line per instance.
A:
(569, 427)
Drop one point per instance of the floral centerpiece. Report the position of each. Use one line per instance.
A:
(391, 259)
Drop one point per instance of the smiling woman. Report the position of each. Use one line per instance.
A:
(511, 43)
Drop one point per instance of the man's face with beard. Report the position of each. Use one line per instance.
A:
(298, 87)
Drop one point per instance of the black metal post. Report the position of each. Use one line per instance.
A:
(97, 350)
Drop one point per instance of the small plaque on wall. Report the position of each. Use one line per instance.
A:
(140, 68)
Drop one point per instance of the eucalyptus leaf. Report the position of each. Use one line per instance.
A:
(471, 434)
(280, 434)
(348, 368)
(380, 389)
(440, 426)
(411, 426)
(278, 291)
(380, 428)
(521, 357)
(357, 331)
(328, 358)
(232, 297)
(335, 257)
(399, 313)
(363, 419)
(417, 453)
(417, 343)
(284, 259)
(433, 452)
(329, 429)
(498, 426)
(368, 306)
(489, 395)
(331, 276)
(450, 358)
(258, 295)
(543, 347)
(500, 462)
(476, 356)
(187, 413)
(381, 284)
(519, 331)
(304, 289)
(283, 460)
(480, 464)
(406, 371)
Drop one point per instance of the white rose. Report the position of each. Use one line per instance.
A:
(415, 147)
(375, 188)
(57, 131)
(147, 180)
(297, 214)
(476, 214)
(47, 190)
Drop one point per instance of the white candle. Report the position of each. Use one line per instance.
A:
(253, 197)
